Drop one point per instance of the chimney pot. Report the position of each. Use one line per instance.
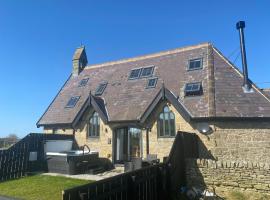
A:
(240, 24)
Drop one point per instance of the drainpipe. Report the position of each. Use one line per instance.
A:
(147, 141)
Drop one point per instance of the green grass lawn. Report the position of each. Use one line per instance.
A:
(39, 187)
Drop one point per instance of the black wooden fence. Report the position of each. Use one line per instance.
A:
(142, 184)
(162, 181)
(14, 161)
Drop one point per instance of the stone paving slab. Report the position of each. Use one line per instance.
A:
(96, 177)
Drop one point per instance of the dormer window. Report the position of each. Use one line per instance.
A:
(100, 89)
(193, 89)
(83, 82)
(195, 64)
(147, 71)
(135, 73)
(72, 102)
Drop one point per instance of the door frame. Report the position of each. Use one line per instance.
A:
(114, 143)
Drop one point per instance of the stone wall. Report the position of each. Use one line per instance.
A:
(241, 175)
(243, 141)
(236, 155)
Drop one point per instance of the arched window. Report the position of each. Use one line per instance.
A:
(166, 123)
(94, 125)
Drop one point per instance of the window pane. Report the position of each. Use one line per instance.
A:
(94, 127)
(83, 82)
(172, 127)
(147, 71)
(192, 89)
(100, 89)
(195, 87)
(171, 115)
(72, 102)
(151, 83)
(166, 116)
(166, 109)
(135, 73)
(161, 129)
(167, 132)
(195, 64)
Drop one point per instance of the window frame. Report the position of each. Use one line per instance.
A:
(191, 60)
(104, 84)
(200, 91)
(148, 80)
(147, 67)
(92, 126)
(164, 124)
(75, 103)
(82, 83)
(139, 75)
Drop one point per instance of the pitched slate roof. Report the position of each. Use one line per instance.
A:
(266, 91)
(125, 100)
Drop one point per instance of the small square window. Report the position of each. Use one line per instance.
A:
(83, 82)
(147, 71)
(135, 73)
(151, 83)
(100, 89)
(72, 102)
(195, 64)
(193, 89)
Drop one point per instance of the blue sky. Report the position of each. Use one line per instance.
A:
(38, 38)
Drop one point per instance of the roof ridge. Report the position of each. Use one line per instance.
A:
(151, 55)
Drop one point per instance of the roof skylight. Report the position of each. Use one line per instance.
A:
(83, 82)
(193, 89)
(135, 73)
(100, 89)
(147, 71)
(195, 64)
(72, 102)
(152, 82)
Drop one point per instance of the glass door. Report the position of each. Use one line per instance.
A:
(121, 145)
(127, 144)
(135, 142)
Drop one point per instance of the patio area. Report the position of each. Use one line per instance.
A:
(95, 177)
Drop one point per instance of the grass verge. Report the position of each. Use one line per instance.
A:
(238, 195)
(39, 187)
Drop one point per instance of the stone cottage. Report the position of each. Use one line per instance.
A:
(134, 107)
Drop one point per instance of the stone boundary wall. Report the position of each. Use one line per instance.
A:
(248, 176)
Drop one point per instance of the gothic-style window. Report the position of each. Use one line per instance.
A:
(166, 123)
(94, 125)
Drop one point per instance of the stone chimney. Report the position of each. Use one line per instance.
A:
(79, 61)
